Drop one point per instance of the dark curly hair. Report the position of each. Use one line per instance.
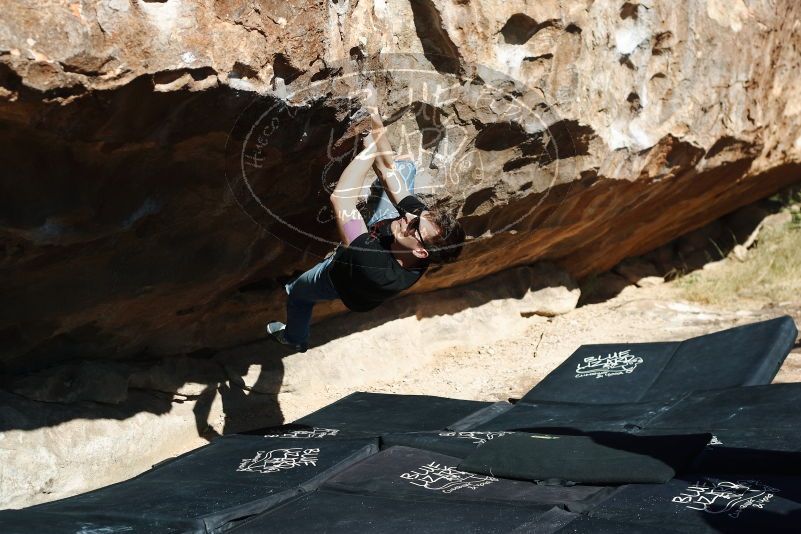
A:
(447, 245)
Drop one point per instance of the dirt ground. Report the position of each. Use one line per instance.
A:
(509, 368)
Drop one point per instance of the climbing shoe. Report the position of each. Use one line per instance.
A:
(275, 330)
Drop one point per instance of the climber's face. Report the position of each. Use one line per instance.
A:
(415, 233)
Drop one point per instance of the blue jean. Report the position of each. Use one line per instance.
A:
(315, 284)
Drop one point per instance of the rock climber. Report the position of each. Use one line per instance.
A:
(378, 259)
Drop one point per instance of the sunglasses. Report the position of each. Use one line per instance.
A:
(414, 225)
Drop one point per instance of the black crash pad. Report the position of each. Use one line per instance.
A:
(775, 451)
(756, 429)
(774, 406)
(407, 473)
(762, 451)
(703, 503)
(557, 521)
(579, 418)
(231, 478)
(548, 523)
(640, 372)
(594, 525)
(720, 458)
(378, 413)
(294, 431)
(29, 521)
(596, 458)
(459, 444)
(347, 513)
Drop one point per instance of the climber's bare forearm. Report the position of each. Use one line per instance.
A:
(392, 182)
(384, 165)
(352, 179)
(384, 153)
(350, 223)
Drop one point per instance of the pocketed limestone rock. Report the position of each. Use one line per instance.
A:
(614, 129)
(122, 236)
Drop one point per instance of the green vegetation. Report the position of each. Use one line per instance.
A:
(771, 271)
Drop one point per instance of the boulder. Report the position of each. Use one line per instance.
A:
(167, 167)
(553, 292)
(167, 163)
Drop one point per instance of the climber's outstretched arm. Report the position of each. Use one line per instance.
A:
(385, 156)
(346, 194)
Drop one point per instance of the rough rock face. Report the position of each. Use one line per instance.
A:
(140, 215)
(166, 167)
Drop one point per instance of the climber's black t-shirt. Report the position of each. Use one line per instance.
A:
(365, 273)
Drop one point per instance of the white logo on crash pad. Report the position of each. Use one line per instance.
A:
(729, 498)
(613, 364)
(313, 433)
(436, 477)
(478, 438)
(279, 460)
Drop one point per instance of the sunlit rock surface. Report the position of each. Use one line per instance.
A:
(121, 234)
(139, 226)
